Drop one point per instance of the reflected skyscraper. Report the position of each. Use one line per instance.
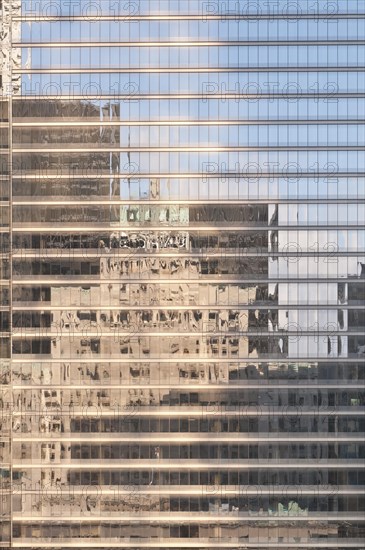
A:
(183, 275)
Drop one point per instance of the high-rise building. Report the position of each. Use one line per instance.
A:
(182, 274)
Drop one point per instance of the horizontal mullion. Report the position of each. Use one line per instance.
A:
(268, 358)
(211, 438)
(63, 280)
(205, 255)
(188, 43)
(115, 332)
(182, 360)
(181, 544)
(189, 17)
(27, 122)
(84, 201)
(197, 490)
(230, 385)
(238, 69)
(203, 412)
(233, 437)
(109, 148)
(113, 226)
(256, 305)
(50, 177)
(81, 227)
(224, 96)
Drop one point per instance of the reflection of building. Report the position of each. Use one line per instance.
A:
(5, 294)
(187, 347)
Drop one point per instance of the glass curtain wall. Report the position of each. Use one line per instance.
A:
(186, 212)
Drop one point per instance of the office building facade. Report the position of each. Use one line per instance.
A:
(183, 274)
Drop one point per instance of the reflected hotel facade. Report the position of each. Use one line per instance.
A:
(183, 275)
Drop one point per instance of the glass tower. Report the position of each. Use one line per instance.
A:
(182, 274)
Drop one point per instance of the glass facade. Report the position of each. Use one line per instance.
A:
(183, 274)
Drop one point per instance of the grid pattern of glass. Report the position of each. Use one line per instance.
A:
(188, 275)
